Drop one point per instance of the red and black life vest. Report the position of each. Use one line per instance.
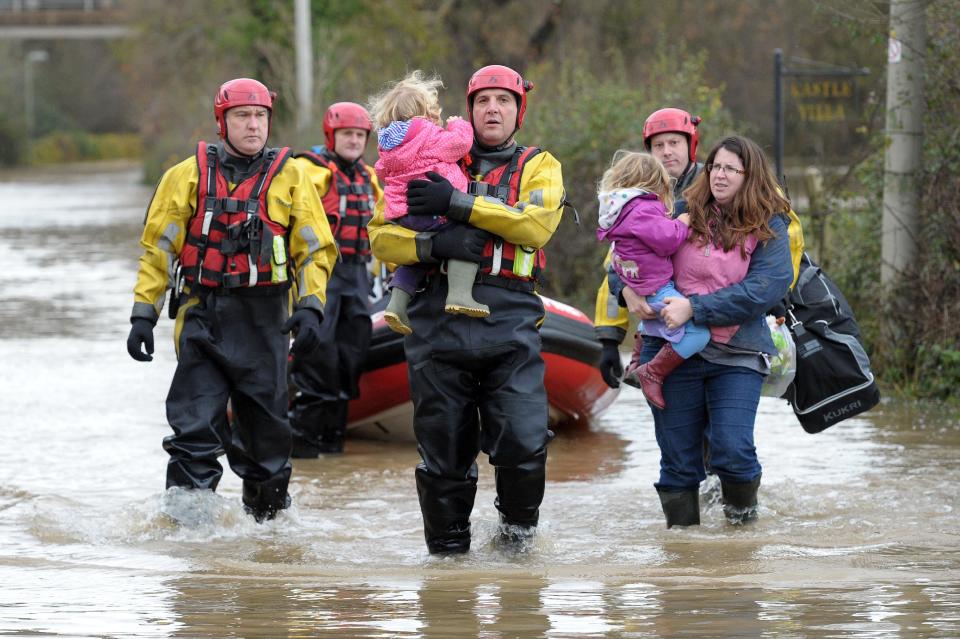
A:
(503, 259)
(349, 206)
(231, 241)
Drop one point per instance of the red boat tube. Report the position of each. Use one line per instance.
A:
(575, 390)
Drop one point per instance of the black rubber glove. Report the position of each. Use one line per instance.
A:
(611, 367)
(429, 197)
(141, 335)
(616, 286)
(459, 242)
(305, 323)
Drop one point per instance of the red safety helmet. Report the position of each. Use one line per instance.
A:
(673, 121)
(240, 92)
(496, 76)
(345, 115)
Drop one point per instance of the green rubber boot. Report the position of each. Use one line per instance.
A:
(460, 277)
(396, 314)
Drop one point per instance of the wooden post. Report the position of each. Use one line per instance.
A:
(813, 185)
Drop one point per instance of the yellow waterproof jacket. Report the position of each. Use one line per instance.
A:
(610, 320)
(530, 222)
(322, 177)
(292, 202)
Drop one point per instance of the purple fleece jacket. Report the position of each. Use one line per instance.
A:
(644, 237)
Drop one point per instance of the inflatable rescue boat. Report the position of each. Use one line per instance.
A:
(575, 390)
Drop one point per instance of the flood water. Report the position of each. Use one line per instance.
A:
(857, 536)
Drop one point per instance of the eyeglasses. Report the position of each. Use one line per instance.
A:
(725, 168)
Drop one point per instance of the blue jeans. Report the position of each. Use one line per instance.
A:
(705, 401)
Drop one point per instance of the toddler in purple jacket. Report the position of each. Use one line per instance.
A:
(411, 142)
(635, 201)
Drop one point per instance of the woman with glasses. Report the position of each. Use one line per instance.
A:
(734, 266)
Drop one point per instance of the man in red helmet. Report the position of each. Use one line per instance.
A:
(229, 229)
(326, 380)
(477, 383)
(671, 136)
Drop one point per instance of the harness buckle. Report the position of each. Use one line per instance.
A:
(231, 205)
(209, 203)
(233, 280)
(483, 189)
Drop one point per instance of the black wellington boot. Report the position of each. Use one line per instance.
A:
(740, 501)
(264, 499)
(302, 449)
(680, 508)
(334, 432)
(306, 422)
(452, 539)
(515, 537)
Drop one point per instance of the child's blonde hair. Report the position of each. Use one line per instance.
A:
(415, 95)
(632, 169)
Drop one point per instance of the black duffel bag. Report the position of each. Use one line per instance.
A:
(833, 380)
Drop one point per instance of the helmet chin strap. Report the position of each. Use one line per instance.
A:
(236, 151)
(498, 147)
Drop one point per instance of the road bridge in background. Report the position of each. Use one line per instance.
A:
(62, 19)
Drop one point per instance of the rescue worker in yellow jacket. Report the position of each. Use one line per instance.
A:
(477, 383)
(229, 229)
(327, 379)
(671, 136)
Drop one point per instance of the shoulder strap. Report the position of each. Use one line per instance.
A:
(362, 169)
(513, 173)
(272, 164)
(519, 158)
(316, 158)
(206, 200)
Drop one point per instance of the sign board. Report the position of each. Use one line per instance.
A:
(823, 100)
(816, 111)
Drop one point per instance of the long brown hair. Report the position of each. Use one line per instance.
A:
(753, 206)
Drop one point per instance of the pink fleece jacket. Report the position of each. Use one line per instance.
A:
(425, 147)
(701, 270)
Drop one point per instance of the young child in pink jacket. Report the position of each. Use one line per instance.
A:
(412, 142)
(636, 199)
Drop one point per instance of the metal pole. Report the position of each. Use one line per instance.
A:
(778, 113)
(28, 96)
(304, 64)
(904, 150)
(32, 57)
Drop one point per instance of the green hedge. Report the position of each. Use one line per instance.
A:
(77, 146)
